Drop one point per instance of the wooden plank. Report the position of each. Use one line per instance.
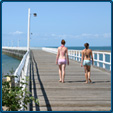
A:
(74, 94)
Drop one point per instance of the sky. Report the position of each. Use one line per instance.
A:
(75, 22)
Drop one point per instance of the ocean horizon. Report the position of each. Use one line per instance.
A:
(96, 48)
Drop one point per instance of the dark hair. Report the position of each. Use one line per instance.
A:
(63, 42)
(86, 45)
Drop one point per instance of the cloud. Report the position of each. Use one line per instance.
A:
(35, 34)
(96, 35)
(16, 33)
(104, 35)
(86, 35)
(107, 35)
(77, 36)
(63, 36)
(53, 35)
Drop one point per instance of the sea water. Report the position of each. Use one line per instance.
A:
(9, 63)
(102, 48)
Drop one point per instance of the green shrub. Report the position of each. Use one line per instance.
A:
(12, 95)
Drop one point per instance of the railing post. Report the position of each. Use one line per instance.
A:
(76, 55)
(103, 60)
(79, 55)
(97, 59)
(22, 75)
(73, 55)
(110, 62)
(93, 58)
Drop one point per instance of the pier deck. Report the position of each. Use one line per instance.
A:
(74, 94)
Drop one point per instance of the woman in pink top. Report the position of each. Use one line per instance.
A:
(61, 60)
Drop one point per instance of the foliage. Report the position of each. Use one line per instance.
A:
(12, 95)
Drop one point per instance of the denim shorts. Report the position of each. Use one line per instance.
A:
(87, 62)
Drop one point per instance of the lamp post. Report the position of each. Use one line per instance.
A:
(28, 35)
(28, 38)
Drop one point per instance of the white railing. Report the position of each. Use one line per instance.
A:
(16, 48)
(103, 59)
(22, 72)
(22, 68)
(76, 55)
(51, 50)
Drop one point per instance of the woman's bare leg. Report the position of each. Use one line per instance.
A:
(89, 74)
(63, 72)
(60, 73)
(86, 73)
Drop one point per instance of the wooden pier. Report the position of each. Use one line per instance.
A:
(74, 94)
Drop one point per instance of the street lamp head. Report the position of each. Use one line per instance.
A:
(34, 14)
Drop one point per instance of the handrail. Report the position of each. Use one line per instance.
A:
(22, 73)
(18, 71)
(76, 55)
